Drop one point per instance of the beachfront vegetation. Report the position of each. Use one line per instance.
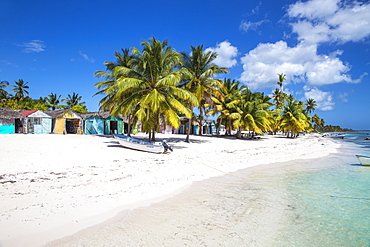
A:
(157, 85)
(21, 100)
(199, 72)
(147, 90)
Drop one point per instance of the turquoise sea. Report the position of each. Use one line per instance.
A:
(329, 199)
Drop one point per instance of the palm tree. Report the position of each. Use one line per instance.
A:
(73, 100)
(199, 80)
(310, 105)
(253, 117)
(317, 121)
(109, 86)
(124, 59)
(227, 102)
(3, 92)
(148, 89)
(278, 97)
(52, 101)
(282, 78)
(293, 120)
(20, 89)
(253, 114)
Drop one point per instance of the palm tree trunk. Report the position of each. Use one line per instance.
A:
(188, 132)
(129, 126)
(189, 126)
(153, 136)
(239, 133)
(200, 121)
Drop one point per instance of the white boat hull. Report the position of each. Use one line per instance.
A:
(133, 143)
(364, 160)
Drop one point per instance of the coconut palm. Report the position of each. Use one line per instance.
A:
(316, 120)
(3, 92)
(20, 89)
(310, 105)
(252, 114)
(253, 117)
(293, 120)
(148, 89)
(227, 102)
(123, 59)
(53, 101)
(73, 100)
(282, 78)
(199, 80)
(278, 97)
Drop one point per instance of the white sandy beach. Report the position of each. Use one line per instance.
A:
(53, 186)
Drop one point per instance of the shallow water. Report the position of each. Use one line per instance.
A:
(331, 201)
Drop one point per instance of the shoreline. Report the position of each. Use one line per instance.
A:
(91, 188)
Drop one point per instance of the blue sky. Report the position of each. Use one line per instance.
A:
(323, 46)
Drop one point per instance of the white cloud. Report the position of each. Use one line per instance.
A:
(6, 62)
(313, 9)
(324, 100)
(33, 46)
(226, 54)
(246, 26)
(330, 20)
(300, 63)
(86, 57)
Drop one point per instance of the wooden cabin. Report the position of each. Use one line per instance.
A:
(10, 121)
(102, 123)
(36, 122)
(66, 122)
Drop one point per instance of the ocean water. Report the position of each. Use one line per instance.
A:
(330, 199)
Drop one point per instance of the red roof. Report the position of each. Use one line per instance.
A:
(26, 113)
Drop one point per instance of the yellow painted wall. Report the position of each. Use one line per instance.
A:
(59, 125)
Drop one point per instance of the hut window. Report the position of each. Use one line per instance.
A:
(37, 121)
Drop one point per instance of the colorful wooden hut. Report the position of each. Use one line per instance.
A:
(36, 122)
(184, 126)
(10, 121)
(209, 127)
(114, 125)
(66, 122)
(100, 123)
(93, 123)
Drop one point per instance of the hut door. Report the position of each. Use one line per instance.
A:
(113, 127)
(18, 126)
(72, 126)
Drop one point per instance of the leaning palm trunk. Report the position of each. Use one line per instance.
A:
(239, 133)
(188, 132)
(200, 121)
(189, 125)
(129, 126)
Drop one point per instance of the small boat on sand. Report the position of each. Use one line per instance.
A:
(364, 160)
(129, 142)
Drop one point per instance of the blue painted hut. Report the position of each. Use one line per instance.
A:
(10, 121)
(113, 125)
(209, 127)
(184, 126)
(93, 123)
(102, 123)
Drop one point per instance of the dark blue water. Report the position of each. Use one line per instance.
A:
(330, 200)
